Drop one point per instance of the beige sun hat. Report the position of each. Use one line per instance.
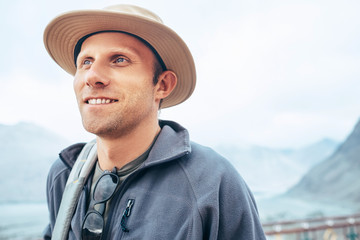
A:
(63, 33)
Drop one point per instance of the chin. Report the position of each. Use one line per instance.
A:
(103, 129)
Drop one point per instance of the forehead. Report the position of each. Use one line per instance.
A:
(115, 41)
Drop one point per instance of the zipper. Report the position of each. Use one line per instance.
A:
(123, 187)
(119, 193)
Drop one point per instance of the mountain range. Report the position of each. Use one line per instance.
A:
(336, 179)
(330, 188)
(272, 171)
(27, 152)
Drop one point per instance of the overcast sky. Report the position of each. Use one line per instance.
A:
(274, 73)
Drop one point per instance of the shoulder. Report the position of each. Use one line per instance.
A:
(225, 202)
(68, 155)
(61, 168)
(207, 171)
(208, 160)
(199, 151)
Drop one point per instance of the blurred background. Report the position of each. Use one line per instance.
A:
(277, 94)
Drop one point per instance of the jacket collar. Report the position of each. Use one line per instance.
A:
(173, 142)
(69, 155)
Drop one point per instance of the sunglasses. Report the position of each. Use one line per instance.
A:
(93, 224)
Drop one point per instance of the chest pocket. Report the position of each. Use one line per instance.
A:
(157, 217)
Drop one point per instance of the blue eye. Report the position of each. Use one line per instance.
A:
(120, 60)
(87, 62)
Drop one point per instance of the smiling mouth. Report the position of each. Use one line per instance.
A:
(98, 101)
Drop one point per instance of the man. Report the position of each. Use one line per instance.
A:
(148, 180)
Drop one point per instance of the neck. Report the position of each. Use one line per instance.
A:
(117, 152)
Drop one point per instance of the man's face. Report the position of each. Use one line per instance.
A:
(114, 84)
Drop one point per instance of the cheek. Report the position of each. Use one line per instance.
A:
(77, 87)
(76, 81)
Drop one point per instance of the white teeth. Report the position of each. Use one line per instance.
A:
(95, 101)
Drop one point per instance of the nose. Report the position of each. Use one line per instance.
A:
(96, 77)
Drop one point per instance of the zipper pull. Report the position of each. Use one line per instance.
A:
(128, 207)
(126, 214)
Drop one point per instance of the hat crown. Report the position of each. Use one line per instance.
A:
(134, 10)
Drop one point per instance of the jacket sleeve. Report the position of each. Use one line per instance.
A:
(228, 209)
(238, 216)
(55, 186)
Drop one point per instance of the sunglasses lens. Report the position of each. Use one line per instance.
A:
(93, 226)
(105, 187)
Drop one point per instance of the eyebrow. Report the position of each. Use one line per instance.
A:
(127, 49)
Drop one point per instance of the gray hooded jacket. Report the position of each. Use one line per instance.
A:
(182, 191)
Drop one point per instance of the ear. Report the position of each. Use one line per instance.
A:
(166, 83)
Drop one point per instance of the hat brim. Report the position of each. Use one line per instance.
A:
(62, 34)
